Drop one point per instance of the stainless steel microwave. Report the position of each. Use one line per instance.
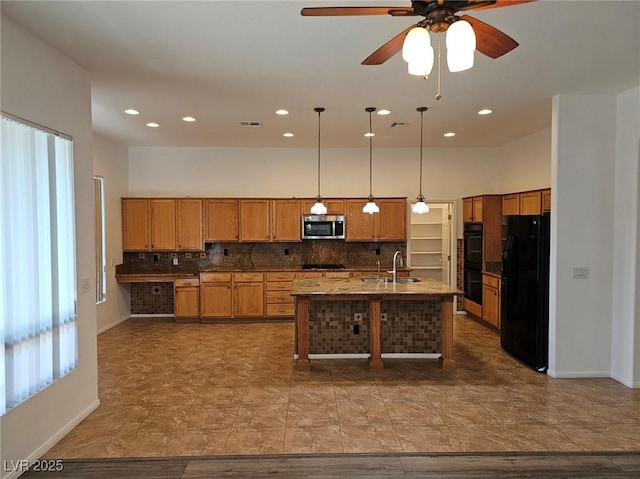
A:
(323, 226)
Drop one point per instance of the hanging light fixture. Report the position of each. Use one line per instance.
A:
(421, 207)
(370, 206)
(418, 52)
(319, 208)
(461, 43)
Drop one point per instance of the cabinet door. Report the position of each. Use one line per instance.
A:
(478, 214)
(546, 201)
(135, 224)
(189, 224)
(186, 302)
(221, 222)
(467, 210)
(286, 220)
(490, 305)
(531, 203)
(334, 206)
(254, 220)
(248, 300)
(163, 224)
(511, 205)
(215, 300)
(360, 226)
(392, 220)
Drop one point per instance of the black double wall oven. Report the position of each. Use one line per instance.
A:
(473, 262)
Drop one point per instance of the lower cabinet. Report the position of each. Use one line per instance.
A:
(279, 301)
(248, 295)
(491, 300)
(215, 296)
(186, 299)
(227, 295)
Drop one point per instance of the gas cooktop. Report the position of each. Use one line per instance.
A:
(322, 266)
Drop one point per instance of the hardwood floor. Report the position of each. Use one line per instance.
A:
(230, 390)
(442, 466)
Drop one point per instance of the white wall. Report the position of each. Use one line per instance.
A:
(625, 361)
(111, 162)
(42, 86)
(582, 179)
(526, 163)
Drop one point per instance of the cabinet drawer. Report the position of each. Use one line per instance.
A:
(280, 276)
(309, 275)
(284, 309)
(215, 277)
(341, 274)
(279, 297)
(279, 286)
(248, 277)
(492, 281)
(186, 282)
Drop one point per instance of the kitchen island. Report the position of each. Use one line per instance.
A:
(429, 302)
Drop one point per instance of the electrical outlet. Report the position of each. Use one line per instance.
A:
(203, 255)
(156, 257)
(357, 316)
(383, 317)
(85, 285)
(140, 255)
(356, 329)
(187, 255)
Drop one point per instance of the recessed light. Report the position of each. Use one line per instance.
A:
(152, 125)
(282, 112)
(287, 135)
(384, 112)
(485, 111)
(449, 134)
(131, 111)
(369, 134)
(188, 118)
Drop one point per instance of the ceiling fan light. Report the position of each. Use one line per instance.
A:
(420, 207)
(415, 43)
(459, 61)
(422, 66)
(318, 207)
(371, 207)
(460, 36)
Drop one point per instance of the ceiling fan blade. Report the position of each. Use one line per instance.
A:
(489, 40)
(502, 3)
(348, 11)
(387, 50)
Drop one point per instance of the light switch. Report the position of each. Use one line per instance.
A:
(85, 285)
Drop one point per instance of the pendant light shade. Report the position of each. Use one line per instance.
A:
(319, 207)
(370, 207)
(421, 207)
(461, 43)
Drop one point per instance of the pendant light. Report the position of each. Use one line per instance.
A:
(319, 208)
(370, 206)
(421, 207)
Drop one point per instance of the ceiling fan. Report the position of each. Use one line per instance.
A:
(439, 16)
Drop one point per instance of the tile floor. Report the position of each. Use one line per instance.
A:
(170, 389)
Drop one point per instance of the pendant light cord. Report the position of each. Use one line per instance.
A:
(370, 156)
(319, 110)
(421, 130)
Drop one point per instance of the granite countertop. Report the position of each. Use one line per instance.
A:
(357, 287)
(124, 270)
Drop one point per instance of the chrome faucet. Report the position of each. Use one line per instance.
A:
(395, 269)
(378, 263)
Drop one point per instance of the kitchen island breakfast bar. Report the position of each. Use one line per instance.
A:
(326, 304)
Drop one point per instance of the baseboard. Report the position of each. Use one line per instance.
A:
(461, 312)
(577, 375)
(626, 381)
(367, 356)
(411, 355)
(112, 324)
(38, 453)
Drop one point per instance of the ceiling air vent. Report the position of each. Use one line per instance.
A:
(251, 124)
(398, 124)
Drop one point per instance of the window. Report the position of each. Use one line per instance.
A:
(101, 250)
(38, 319)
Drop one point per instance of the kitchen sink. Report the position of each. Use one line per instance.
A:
(373, 280)
(398, 280)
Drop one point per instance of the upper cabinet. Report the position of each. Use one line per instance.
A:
(472, 209)
(286, 221)
(388, 225)
(334, 206)
(527, 203)
(189, 224)
(163, 224)
(221, 220)
(255, 220)
(135, 224)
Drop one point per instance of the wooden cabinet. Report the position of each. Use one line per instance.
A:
(189, 224)
(255, 220)
(135, 224)
(546, 201)
(334, 206)
(286, 220)
(248, 299)
(163, 224)
(221, 220)
(531, 203)
(215, 296)
(278, 297)
(388, 225)
(511, 205)
(491, 300)
(186, 299)
(472, 209)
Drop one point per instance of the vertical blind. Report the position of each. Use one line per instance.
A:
(38, 321)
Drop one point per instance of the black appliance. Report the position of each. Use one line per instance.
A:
(473, 262)
(524, 329)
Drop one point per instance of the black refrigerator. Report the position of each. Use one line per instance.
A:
(524, 328)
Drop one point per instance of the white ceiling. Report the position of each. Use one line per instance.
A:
(229, 61)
